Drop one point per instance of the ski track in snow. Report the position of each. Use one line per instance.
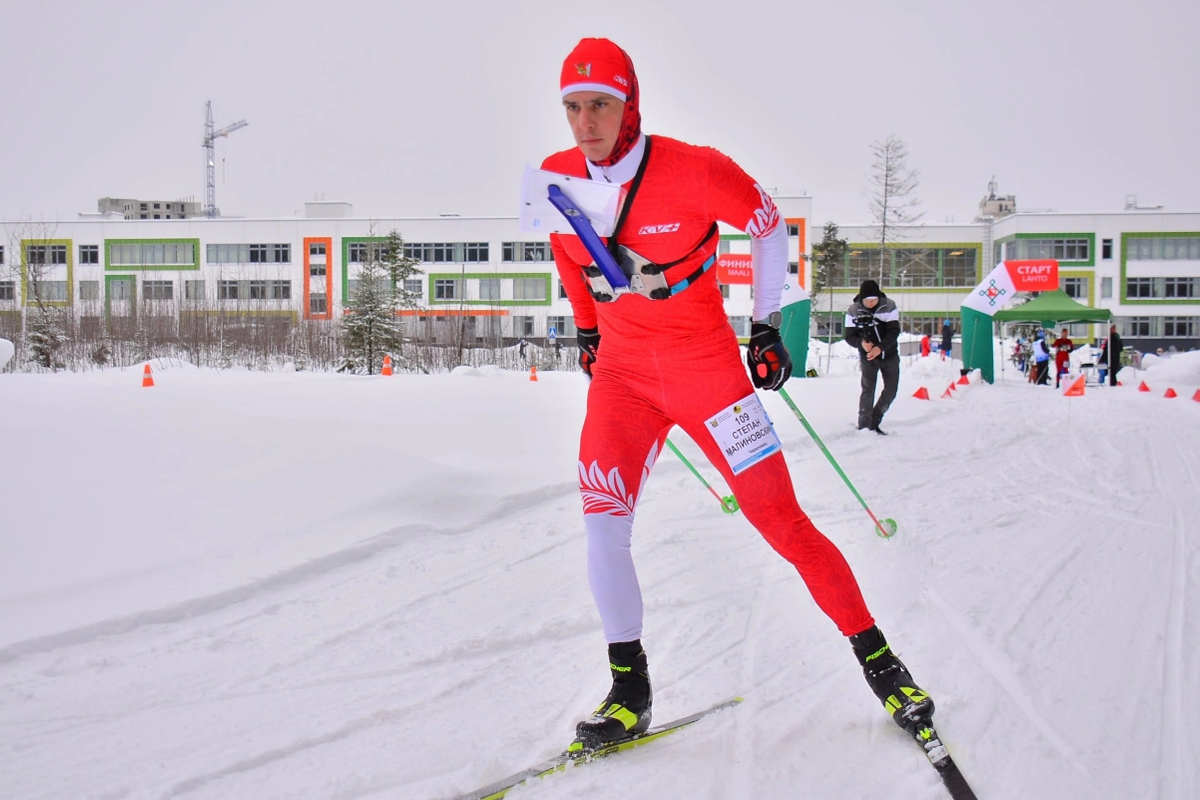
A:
(1057, 638)
(1178, 750)
(295, 576)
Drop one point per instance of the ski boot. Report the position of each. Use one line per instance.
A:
(626, 710)
(907, 703)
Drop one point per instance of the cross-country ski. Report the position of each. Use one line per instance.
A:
(570, 758)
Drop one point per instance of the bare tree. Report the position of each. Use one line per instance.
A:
(892, 201)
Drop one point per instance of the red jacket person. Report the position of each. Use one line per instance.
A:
(663, 354)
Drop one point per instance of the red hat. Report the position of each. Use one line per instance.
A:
(599, 65)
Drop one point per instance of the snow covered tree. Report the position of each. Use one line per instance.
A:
(892, 200)
(46, 338)
(370, 324)
(45, 332)
(400, 268)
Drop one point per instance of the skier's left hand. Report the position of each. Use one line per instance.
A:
(589, 348)
(768, 360)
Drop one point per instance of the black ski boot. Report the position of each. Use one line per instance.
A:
(626, 710)
(887, 676)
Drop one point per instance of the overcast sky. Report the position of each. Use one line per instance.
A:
(407, 108)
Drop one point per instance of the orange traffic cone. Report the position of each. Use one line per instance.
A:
(533, 373)
(963, 381)
(1196, 396)
(952, 388)
(1170, 392)
(147, 378)
(1076, 388)
(387, 366)
(1142, 387)
(923, 393)
(948, 393)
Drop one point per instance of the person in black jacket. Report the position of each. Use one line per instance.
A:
(1113, 363)
(872, 326)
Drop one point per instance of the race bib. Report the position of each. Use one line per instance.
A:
(744, 433)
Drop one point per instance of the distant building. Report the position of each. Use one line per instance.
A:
(485, 281)
(994, 206)
(130, 208)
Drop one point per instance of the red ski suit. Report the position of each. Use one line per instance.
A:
(676, 362)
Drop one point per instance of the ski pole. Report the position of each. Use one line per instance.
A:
(886, 528)
(728, 504)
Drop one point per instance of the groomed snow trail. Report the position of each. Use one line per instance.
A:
(1042, 586)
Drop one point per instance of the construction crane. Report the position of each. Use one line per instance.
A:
(210, 177)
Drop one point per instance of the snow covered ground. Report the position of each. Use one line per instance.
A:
(249, 585)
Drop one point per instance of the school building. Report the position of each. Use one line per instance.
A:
(496, 284)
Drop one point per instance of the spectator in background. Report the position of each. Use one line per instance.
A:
(947, 338)
(925, 346)
(1110, 354)
(1062, 356)
(1041, 359)
(873, 326)
(1018, 354)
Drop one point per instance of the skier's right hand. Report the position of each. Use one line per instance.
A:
(588, 340)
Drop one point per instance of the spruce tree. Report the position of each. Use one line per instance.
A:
(369, 322)
(829, 256)
(399, 269)
(46, 339)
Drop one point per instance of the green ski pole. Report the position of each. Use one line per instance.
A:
(886, 528)
(728, 504)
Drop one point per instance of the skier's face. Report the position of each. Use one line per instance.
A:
(595, 120)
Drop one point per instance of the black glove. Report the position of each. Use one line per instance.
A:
(769, 362)
(588, 340)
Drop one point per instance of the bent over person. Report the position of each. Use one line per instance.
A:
(669, 357)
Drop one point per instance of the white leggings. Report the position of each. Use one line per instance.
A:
(613, 577)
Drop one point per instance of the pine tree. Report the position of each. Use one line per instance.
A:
(369, 321)
(829, 256)
(45, 334)
(46, 339)
(400, 268)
